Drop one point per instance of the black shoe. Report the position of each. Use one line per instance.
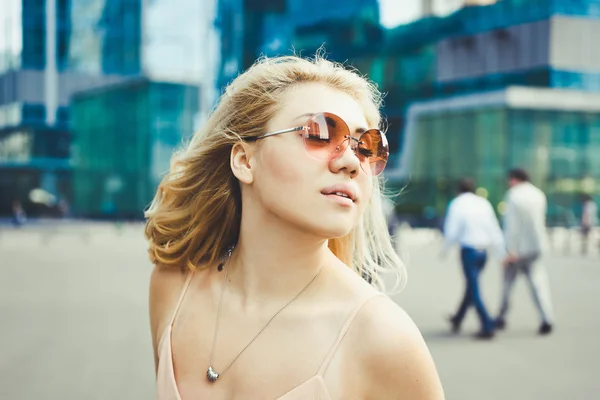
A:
(484, 335)
(500, 324)
(545, 329)
(454, 324)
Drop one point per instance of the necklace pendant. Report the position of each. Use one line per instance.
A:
(211, 374)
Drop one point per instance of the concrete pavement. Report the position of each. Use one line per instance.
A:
(73, 320)
(518, 364)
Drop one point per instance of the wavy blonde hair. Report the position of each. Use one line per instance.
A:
(195, 214)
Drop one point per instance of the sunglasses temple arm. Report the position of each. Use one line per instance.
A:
(298, 128)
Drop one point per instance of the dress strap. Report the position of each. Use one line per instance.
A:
(345, 328)
(186, 285)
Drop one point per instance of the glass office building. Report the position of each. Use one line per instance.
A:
(251, 28)
(119, 159)
(553, 134)
(52, 49)
(101, 36)
(526, 48)
(537, 61)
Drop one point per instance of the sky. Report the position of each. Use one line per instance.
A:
(396, 12)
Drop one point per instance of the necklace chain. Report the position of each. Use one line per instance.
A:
(211, 373)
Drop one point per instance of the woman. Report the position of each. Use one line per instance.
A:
(265, 234)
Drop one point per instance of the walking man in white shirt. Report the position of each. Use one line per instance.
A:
(472, 224)
(589, 220)
(526, 242)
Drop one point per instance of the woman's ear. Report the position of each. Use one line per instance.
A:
(240, 160)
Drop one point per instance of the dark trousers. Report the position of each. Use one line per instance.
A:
(473, 261)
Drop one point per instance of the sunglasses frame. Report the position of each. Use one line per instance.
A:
(349, 137)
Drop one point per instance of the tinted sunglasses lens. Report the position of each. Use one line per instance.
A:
(325, 137)
(373, 152)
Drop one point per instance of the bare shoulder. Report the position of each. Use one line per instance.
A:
(165, 286)
(395, 361)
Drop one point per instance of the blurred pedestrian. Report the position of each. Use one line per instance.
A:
(526, 242)
(64, 208)
(19, 217)
(589, 220)
(472, 224)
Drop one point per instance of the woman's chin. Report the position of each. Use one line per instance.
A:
(334, 232)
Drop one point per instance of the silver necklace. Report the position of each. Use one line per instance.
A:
(213, 375)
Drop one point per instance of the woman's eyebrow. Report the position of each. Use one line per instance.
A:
(304, 115)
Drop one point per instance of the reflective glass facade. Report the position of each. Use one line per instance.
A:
(559, 149)
(98, 42)
(179, 42)
(118, 159)
(92, 36)
(534, 44)
(34, 157)
(478, 49)
(105, 36)
(470, 21)
(250, 28)
(11, 35)
(34, 34)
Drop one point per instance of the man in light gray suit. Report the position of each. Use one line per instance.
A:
(526, 243)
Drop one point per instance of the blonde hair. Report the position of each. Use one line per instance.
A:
(195, 214)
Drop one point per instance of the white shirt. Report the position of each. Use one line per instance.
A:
(525, 220)
(471, 222)
(589, 217)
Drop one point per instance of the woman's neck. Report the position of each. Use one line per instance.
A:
(271, 265)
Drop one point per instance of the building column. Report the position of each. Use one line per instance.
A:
(51, 72)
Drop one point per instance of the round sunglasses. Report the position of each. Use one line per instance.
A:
(327, 136)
